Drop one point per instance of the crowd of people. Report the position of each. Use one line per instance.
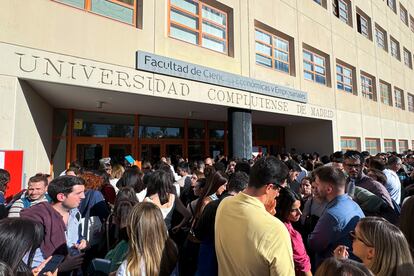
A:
(291, 214)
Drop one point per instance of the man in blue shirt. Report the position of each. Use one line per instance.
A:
(340, 216)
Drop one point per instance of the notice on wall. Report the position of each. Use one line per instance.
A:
(77, 123)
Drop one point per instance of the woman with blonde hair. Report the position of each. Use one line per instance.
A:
(150, 252)
(380, 245)
(116, 174)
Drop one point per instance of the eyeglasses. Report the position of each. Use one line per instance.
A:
(354, 237)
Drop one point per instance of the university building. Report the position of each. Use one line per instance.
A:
(85, 79)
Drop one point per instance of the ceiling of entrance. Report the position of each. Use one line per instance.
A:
(83, 98)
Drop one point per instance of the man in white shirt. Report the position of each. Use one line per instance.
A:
(393, 184)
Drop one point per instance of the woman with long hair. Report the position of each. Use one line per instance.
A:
(380, 245)
(288, 211)
(19, 239)
(150, 252)
(132, 177)
(162, 193)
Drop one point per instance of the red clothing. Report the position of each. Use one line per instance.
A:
(300, 257)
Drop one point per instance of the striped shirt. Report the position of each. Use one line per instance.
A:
(18, 206)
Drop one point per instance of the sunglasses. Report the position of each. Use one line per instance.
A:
(354, 237)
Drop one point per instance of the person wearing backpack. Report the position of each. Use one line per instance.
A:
(36, 192)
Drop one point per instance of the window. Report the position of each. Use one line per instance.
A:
(368, 86)
(381, 37)
(412, 23)
(389, 145)
(314, 67)
(121, 10)
(410, 101)
(372, 146)
(395, 48)
(200, 24)
(385, 89)
(350, 143)
(272, 51)
(342, 9)
(392, 5)
(364, 24)
(408, 61)
(399, 98)
(403, 15)
(318, 1)
(344, 77)
(402, 146)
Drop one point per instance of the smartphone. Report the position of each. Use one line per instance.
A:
(130, 159)
(101, 265)
(52, 264)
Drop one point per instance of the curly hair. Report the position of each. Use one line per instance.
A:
(92, 181)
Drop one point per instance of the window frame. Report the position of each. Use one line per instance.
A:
(343, 76)
(399, 100)
(200, 19)
(377, 145)
(404, 147)
(379, 29)
(396, 54)
(314, 73)
(273, 49)
(372, 91)
(392, 5)
(336, 8)
(407, 57)
(350, 139)
(389, 93)
(410, 102)
(403, 14)
(392, 141)
(88, 8)
(412, 24)
(365, 29)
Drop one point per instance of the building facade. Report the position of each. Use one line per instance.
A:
(83, 79)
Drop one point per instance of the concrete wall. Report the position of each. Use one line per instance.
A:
(26, 121)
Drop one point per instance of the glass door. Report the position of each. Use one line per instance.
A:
(173, 151)
(89, 154)
(150, 152)
(117, 152)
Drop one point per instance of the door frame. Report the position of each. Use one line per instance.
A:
(163, 143)
(105, 142)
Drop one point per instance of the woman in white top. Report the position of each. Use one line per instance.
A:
(150, 251)
(116, 173)
(161, 192)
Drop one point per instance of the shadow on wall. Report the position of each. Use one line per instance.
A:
(37, 125)
(316, 135)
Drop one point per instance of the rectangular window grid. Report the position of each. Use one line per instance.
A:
(403, 15)
(385, 90)
(407, 58)
(402, 146)
(395, 48)
(367, 87)
(343, 11)
(380, 37)
(344, 78)
(391, 4)
(389, 145)
(198, 23)
(349, 143)
(314, 67)
(410, 101)
(372, 146)
(399, 101)
(363, 22)
(121, 10)
(272, 51)
(412, 23)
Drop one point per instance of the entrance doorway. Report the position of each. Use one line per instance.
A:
(153, 151)
(89, 151)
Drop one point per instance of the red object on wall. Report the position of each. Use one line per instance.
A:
(12, 161)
